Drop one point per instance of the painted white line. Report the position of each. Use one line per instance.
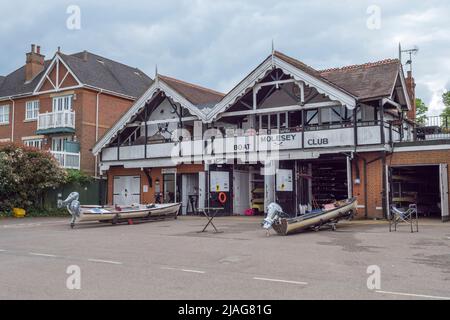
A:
(412, 295)
(1, 250)
(184, 270)
(104, 261)
(193, 271)
(42, 254)
(282, 281)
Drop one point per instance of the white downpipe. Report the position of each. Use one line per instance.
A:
(12, 119)
(96, 128)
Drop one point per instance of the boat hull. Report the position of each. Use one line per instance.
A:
(293, 225)
(110, 214)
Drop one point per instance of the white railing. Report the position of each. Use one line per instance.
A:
(67, 160)
(286, 141)
(59, 119)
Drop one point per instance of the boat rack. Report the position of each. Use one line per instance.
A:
(409, 216)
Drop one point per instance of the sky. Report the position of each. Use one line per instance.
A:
(216, 43)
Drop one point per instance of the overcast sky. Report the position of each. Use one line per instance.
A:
(216, 43)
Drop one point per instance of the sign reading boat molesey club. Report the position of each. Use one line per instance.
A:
(240, 144)
(284, 141)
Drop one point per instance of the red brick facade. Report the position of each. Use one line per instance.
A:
(375, 175)
(110, 109)
(156, 175)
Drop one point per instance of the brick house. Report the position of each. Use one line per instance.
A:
(67, 103)
(287, 133)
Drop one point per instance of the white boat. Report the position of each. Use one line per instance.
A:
(344, 210)
(117, 214)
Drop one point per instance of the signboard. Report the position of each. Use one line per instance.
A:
(282, 141)
(329, 138)
(284, 180)
(169, 171)
(219, 181)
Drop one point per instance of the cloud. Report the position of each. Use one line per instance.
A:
(216, 43)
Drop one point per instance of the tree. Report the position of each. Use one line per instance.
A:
(421, 111)
(446, 100)
(25, 173)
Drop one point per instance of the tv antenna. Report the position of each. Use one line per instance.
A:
(410, 52)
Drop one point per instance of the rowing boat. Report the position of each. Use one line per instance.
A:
(284, 226)
(117, 214)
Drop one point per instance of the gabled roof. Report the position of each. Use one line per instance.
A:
(199, 96)
(94, 71)
(298, 70)
(369, 80)
(2, 78)
(107, 74)
(190, 96)
(346, 85)
(14, 84)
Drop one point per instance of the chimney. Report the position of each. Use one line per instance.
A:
(411, 87)
(34, 63)
(85, 56)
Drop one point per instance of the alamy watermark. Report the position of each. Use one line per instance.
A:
(233, 145)
(373, 22)
(73, 22)
(73, 281)
(374, 279)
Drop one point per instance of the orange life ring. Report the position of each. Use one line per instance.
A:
(222, 197)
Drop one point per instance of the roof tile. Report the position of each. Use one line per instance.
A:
(197, 95)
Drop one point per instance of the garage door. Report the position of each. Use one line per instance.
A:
(127, 190)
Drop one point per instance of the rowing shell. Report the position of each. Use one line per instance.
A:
(286, 226)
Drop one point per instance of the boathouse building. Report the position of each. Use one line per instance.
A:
(287, 133)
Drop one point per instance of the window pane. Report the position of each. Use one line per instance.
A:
(312, 117)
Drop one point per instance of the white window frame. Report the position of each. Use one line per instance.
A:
(4, 116)
(34, 143)
(31, 110)
(62, 103)
(58, 143)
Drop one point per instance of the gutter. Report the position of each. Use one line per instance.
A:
(110, 92)
(29, 94)
(96, 127)
(12, 119)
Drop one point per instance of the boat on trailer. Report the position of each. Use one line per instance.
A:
(284, 225)
(118, 214)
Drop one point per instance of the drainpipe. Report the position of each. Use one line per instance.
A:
(12, 119)
(96, 128)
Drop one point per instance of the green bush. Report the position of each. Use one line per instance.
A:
(78, 177)
(25, 173)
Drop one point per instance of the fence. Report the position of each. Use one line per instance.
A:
(93, 193)
(434, 128)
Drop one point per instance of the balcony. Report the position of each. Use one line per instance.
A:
(433, 128)
(287, 140)
(56, 122)
(67, 160)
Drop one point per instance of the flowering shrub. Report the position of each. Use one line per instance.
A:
(24, 175)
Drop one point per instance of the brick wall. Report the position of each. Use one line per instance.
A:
(375, 178)
(111, 108)
(155, 173)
